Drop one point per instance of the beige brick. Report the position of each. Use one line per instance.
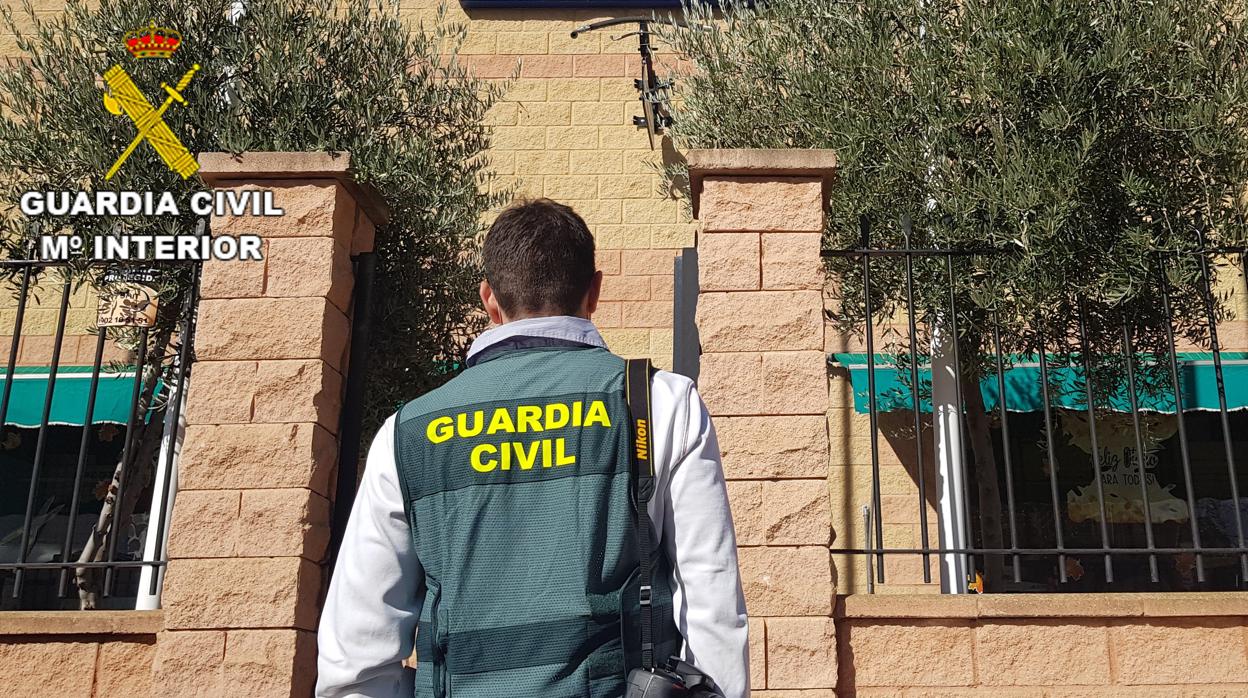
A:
(599, 211)
(758, 654)
(650, 211)
(205, 524)
(629, 237)
(766, 447)
(628, 186)
(482, 43)
(603, 66)
(596, 113)
(521, 42)
(1179, 651)
(189, 663)
(249, 456)
(561, 42)
(588, 162)
(801, 653)
(297, 391)
(488, 67)
(276, 592)
(572, 137)
(502, 114)
(285, 522)
(1043, 653)
(234, 278)
(519, 137)
(310, 208)
(762, 204)
(575, 89)
(647, 262)
(571, 187)
(124, 667)
(625, 288)
(270, 662)
(620, 91)
(907, 653)
(623, 136)
(792, 261)
(787, 581)
(222, 392)
(797, 512)
(309, 267)
(762, 321)
(546, 67)
(629, 343)
(673, 235)
(545, 114)
(608, 261)
(728, 262)
(661, 287)
(525, 89)
(293, 328)
(647, 314)
(542, 162)
(745, 498)
(609, 315)
(48, 668)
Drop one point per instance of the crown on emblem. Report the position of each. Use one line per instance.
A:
(152, 41)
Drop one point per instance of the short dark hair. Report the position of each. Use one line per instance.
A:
(539, 258)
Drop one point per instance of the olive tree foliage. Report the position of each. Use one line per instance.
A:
(284, 75)
(1079, 138)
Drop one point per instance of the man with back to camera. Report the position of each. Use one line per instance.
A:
(495, 513)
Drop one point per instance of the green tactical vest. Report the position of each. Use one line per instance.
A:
(521, 514)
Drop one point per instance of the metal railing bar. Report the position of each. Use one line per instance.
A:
(871, 406)
(1184, 452)
(1169, 550)
(1052, 453)
(961, 413)
(1005, 445)
(19, 566)
(1093, 441)
(101, 338)
(131, 444)
(914, 394)
(184, 355)
(14, 343)
(41, 441)
(1206, 278)
(1139, 450)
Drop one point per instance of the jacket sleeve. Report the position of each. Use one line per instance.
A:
(368, 624)
(699, 537)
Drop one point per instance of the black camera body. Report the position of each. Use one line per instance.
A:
(675, 679)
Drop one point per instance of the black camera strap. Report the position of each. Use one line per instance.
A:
(637, 394)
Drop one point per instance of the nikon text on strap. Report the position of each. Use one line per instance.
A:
(637, 392)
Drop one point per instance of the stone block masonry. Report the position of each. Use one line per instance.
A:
(250, 529)
(763, 376)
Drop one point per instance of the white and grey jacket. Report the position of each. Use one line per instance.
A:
(368, 624)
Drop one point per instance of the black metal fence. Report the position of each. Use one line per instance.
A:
(87, 437)
(1095, 448)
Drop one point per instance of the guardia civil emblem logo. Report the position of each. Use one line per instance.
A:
(122, 96)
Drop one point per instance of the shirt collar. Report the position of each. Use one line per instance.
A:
(520, 334)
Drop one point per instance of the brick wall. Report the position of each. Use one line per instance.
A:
(1044, 645)
(98, 653)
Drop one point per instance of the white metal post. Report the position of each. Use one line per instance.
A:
(950, 462)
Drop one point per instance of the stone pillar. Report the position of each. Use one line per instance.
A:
(250, 526)
(764, 379)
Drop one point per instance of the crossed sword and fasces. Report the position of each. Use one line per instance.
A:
(123, 94)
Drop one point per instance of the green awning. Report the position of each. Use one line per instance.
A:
(69, 401)
(1197, 381)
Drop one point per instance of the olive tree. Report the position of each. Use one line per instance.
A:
(1077, 138)
(281, 75)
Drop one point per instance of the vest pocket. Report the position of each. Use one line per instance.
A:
(431, 649)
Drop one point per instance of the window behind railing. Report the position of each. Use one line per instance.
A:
(89, 406)
(1039, 454)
